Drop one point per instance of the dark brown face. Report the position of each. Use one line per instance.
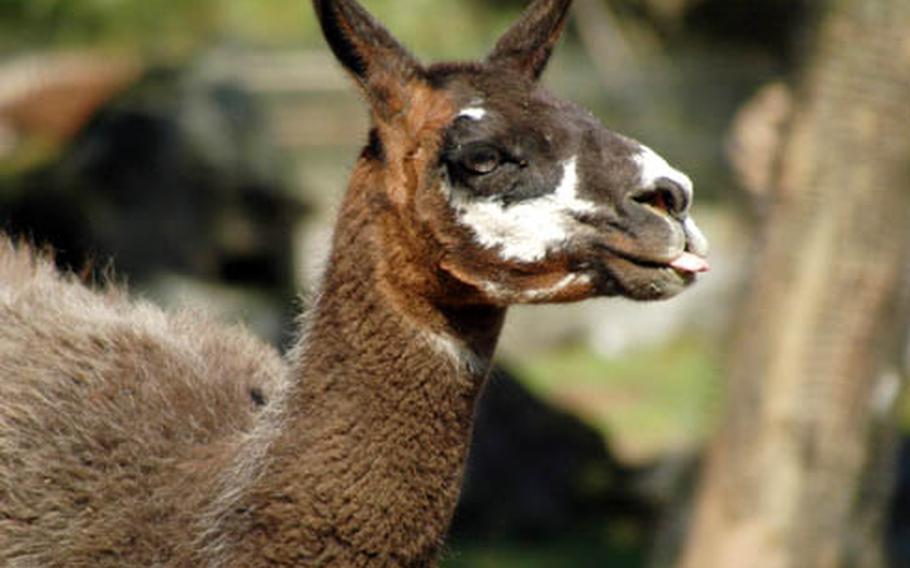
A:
(525, 197)
(549, 205)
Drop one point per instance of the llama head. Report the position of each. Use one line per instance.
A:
(503, 189)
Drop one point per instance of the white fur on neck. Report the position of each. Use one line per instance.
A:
(456, 351)
(524, 231)
(473, 112)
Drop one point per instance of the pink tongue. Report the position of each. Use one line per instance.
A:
(689, 262)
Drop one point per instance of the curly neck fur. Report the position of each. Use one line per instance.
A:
(367, 446)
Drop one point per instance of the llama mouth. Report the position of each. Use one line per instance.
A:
(690, 263)
(686, 263)
(647, 279)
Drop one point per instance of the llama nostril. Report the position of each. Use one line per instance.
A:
(675, 196)
(666, 196)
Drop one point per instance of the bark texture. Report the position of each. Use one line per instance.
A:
(794, 478)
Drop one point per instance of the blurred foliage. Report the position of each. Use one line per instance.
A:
(121, 23)
(904, 410)
(646, 402)
(178, 27)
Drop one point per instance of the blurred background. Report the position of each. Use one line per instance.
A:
(197, 151)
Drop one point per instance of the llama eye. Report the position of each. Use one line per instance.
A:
(481, 160)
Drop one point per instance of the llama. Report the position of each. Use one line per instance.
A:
(130, 437)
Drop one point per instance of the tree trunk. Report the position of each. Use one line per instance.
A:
(794, 478)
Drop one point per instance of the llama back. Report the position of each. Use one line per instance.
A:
(109, 411)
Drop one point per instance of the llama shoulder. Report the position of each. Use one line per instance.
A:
(55, 327)
(120, 396)
(84, 368)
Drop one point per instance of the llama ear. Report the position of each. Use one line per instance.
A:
(528, 44)
(365, 48)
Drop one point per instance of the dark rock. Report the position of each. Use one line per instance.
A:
(536, 472)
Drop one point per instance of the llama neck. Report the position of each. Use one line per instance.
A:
(369, 446)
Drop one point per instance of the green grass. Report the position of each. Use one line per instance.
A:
(646, 402)
(904, 412)
(593, 547)
(177, 27)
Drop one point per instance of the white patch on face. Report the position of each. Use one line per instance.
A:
(474, 113)
(567, 191)
(524, 231)
(653, 167)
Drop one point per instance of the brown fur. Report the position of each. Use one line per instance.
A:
(129, 437)
(159, 457)
(113, 413)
